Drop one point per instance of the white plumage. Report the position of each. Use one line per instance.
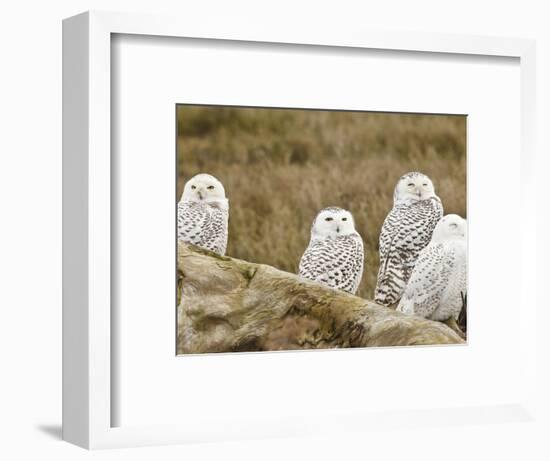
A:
(203, 214)
(406, 231)
(437, 287)
(335, 254)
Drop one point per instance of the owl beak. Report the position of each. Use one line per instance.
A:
(337, 229)
(200, 195)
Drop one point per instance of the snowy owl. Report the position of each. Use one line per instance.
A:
(406, 231)
(334, 256)
(437, 287)
(203, 213)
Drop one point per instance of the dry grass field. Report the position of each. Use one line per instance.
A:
(279, 167)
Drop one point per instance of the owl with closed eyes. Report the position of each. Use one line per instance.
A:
(437, 288)
(406, 231)
(334, 256)
(203, 214)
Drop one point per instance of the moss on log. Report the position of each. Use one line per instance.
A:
(229, 305)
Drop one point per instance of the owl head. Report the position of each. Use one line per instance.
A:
(203, 188)
(450, 227)
(332, 222)
(413, 186)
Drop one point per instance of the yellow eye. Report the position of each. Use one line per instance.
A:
(328, 219)
(425, 184)
(344, 219)
(210, 187)
(410, 184)
(193, 187)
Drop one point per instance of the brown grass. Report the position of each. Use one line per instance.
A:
(280, 166)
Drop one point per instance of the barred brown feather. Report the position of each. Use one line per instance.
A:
(406, 231)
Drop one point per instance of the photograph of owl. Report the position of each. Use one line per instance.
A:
(438, 284)
(407, 229)
(334, 256)
(203, 213)
(324, 215)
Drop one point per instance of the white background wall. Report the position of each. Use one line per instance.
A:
(30, 231)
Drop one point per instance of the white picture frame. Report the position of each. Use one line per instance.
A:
(88, 364)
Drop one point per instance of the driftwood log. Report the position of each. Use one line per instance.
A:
(229, 305)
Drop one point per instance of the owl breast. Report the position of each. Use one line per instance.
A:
(204, 225)
(334, 262)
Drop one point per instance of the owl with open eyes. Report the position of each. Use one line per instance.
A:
(203, 214)
(334, 256)
(407, 229)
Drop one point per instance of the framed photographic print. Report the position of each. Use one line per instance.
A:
(250, 213)
(344, 199)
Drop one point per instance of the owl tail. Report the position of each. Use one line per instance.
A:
(388, 291)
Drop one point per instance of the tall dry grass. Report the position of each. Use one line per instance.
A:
(279, 167)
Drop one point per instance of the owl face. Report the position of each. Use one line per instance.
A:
(414, 186)
(450, 227)
(333, 222)
(203, 187)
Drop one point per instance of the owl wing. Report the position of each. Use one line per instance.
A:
(406, 231)
(418, 232)
(390, 230)
(391, 277)
(409, 227)
(427, 282)
(357, 261)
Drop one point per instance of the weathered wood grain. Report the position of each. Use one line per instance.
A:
(229, 305)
